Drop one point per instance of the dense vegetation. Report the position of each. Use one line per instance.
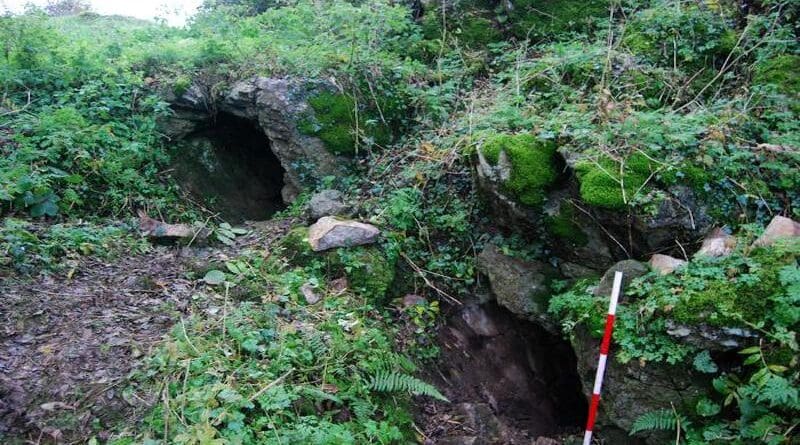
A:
(636, 97)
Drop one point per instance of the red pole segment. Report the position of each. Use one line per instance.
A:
(601, 364)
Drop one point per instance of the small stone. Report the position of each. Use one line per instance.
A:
(326, 203)
(330, 233)
(412, 300)
(665, 264)
(779, 228)
(310, 294)
(630, 269)
(339, 286)
(717, 244)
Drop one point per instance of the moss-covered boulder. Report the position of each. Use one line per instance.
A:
(613, 184)
(537, 19)
(782, 72)
(522, 165)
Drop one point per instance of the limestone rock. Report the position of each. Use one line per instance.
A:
(518, 285)
(665, 264)
(779, 228)
(326, 203)
(717, 244)
(310, 293)
(630, 269)
(713, 338)
(330, 233)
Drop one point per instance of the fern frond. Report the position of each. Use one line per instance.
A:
(386, 381)
(661, 420)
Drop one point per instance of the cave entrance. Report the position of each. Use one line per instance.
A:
(509, 380)
(229, 167)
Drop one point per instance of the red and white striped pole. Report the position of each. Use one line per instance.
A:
(601, 364)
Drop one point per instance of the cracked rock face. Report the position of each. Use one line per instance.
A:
(276, 105)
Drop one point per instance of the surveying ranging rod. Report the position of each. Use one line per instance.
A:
(601, 364)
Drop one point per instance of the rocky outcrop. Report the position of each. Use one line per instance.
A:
(330, 233)
(275, 105)
(519, 286)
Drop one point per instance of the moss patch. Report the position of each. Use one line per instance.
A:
(369, 272)
(532, 160)
(564, 226)
(602, 183)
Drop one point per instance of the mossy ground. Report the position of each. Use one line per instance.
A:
(533, 166)
(369, 271)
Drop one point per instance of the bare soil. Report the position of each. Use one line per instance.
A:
(68, 344)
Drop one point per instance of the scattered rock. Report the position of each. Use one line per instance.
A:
(779, 228)
(310, 293)
(518, 285)
(338, 286)
(330, 233)
(156, 229)
(717, 244)
(574, 270)
(712, 338)
(630, 269)
(326, 203)
(665, 264)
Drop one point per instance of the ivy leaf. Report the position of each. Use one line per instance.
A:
(214, 277)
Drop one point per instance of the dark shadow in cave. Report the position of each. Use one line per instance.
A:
(230, 168)
(525, 376)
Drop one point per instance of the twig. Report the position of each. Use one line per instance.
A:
(273, 383)
(422, 273)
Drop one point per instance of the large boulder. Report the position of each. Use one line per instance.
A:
(330, 233)
(518, 285)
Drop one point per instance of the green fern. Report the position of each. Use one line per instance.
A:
(385, 381)
(661, 420)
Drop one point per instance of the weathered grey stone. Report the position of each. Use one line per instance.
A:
(779, 228)
(665, 264)
(519, 286)
(310, 293)
(717, 244)
(630, 269)
(330, 233)
(326, 203)
(634, 388)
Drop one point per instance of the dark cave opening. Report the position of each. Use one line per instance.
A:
(509, 379)
(228, 166)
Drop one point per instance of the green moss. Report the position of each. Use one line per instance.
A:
(532, 160)
(334, 122)
(686, 174)
(552, 18)
(563, 226)
(369, 271)
(296, 248)
(745, 289)
(781, 71)
(601, 183)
